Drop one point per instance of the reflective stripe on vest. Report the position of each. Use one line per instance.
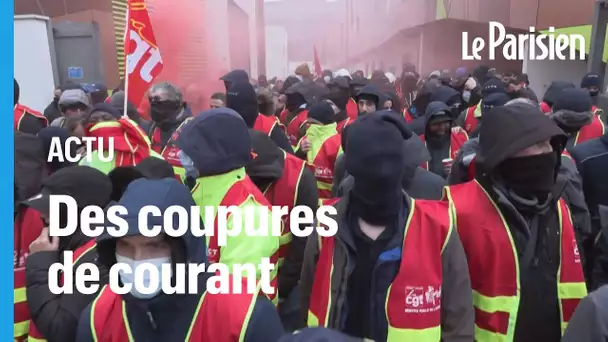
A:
(413, 302)
(265, 124)
(34, 334)
(593, 130)
(170, 151)
(342, 125)
(217, 318)
(456, 142)
(238, 193)
(322, 156)
(21, 311)
(20, 111)
(284, 193)
(494, 267)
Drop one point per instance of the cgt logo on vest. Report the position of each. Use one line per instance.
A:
(577, 256)
(421, 300)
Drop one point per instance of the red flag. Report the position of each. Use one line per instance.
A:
(318, 70)
(142, 56)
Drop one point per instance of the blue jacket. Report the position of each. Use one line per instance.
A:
(168, 317)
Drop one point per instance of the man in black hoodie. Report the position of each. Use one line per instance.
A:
(56, 316)
(370, 99)
(552, 94)
(439, 139)
(285, 181)
(417, 182)
(572, 111)
(525, 252)
(159, 316)
(235, 76)
(242, 98)
(365, 266)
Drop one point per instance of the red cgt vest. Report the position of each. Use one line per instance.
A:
(27, 228)
(238, 193)
(456, 142)
(34, 334)
(470, 121)
(591, 131)
(323, 162)
(293, 127)
(265, 124)
(20, 111)
(284, 193)
(342, 125)
(413, 303)
(170, 151)
(218, 318)
(352, 109)
(494, 266)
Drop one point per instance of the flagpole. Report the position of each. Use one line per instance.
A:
(126, 44)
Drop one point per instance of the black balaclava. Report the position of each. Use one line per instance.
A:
(16, 92)
(377, 168)
(537, 181)
(592, 80)
(242, 98)
(340, 98)
(294, 101)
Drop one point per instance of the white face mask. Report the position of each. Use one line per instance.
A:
(134, 264)
(299, 77)
(466, 96)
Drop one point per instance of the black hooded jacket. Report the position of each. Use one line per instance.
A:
(418, 107)
(265, 169)
(168, 317)
(506, 131)
(417, 182)
(235, 76)
(438, 147)
(56, 316)
(374, 92)
(242, 98)
(554, 89)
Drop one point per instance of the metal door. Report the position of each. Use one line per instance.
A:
(78, 50)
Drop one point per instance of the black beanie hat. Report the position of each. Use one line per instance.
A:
(493, 100)
(241, 97)
(493, 85)
(573, 99)
(107, 108)
(374, 148)
(323, 113)
(591, 80)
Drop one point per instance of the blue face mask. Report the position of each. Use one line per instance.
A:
(466, 96)
(188, 164)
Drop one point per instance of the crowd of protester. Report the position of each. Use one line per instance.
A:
(469, 208)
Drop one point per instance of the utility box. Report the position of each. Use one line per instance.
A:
(34, 60)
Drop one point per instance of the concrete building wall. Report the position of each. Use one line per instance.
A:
(33, 66)
(277, 58)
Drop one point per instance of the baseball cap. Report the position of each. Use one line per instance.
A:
(86, 185)
(74, 96)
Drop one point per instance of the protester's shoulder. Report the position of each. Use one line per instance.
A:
(264, 323)
(589, 149)
(428, 177)
(83, 331)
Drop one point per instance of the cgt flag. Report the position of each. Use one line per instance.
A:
(317, 62)
(143, 62)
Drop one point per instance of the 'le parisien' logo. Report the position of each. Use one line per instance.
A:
(529, 45)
